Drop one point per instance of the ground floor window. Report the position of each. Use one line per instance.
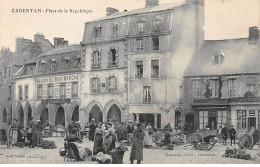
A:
(247, 119)
(149, 118)
(213, 119)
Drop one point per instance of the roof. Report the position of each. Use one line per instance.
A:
(240, 57)
(144, 10)
(64, 49)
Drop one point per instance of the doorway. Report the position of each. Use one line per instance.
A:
(212, 120)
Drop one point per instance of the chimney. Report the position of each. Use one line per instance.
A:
(253, 35)
(38, 37)
(58, 42)
(111, 11)
(125, 10)
(151, 3)
(66, 43)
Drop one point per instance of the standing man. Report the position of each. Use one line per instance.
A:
(224, 133)
(70, 127)
(32, 133)
(92, 128)
(232, 134)
(168, 127)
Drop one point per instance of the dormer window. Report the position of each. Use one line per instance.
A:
(77, 61)
(97, 31)
(41, 65)
(53, 64)
(157, 25)
(65, 62)
(218, 57)
(141, 26)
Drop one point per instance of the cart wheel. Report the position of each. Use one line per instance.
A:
(246, 141)
(9, 136)
(62, 134)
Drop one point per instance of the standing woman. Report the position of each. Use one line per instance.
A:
(14, 126)
(109, 138)
(98, 139)
(39, 129)
(148, 142)
(137, 146)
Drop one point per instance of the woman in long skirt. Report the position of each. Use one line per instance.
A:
(148, 142)
(39, 129)
(98, 140)
(14, 132)
(109, 138)
(137, 146)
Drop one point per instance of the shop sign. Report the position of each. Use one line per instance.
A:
(58, 79)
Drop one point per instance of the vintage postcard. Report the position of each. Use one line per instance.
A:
(129, 82)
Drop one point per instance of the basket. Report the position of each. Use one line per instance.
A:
(62, 151)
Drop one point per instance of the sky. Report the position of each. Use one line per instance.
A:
(224, 19)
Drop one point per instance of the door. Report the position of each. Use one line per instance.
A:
(212, 122)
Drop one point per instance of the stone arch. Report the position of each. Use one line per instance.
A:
(73, 107)
(110, 103)
(90, 107)
(43, 112)
(60, 116)
(20, 114)
(178, 117)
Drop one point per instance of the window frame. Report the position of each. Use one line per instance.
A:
(147, 91)
(141, 29)
(139, 47)
(39, 93)
(137, 71)
(26, 92)
(20, 92)
(155, 48)
(97, 32)
(157, 74)
(73, 89)
(61, 88)
(50, 87)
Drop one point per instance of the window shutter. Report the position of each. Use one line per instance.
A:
(92, 59)
(99, 85)
(99, 59)
(117, 55)
(90, 85)
(109, 58)
(107, 83)
(115, 83)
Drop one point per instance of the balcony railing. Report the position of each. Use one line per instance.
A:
(147, 100)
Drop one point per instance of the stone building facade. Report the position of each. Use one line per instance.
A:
(217, 92)
(51, 92)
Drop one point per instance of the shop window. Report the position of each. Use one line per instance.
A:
(139, 69)
(203, 119)
(232, 87)
(63, 90)
(75, 89)
(95, 85)
(156, 43)
(50, 91)
(39, 91)
(241, 120)
(96, 60)
(111, 84)
(196, 84)
(97, 32)
(20, 89)
(222, 118)
(139, 44)
(113, 58)
(26, 92)
(155, 68)
(147, 94)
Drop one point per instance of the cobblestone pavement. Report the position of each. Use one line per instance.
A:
(151, 156)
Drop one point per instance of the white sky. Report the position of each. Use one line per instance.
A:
(224, 19)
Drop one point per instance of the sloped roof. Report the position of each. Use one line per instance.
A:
(64, 49)
(144, 10)
(240, 58)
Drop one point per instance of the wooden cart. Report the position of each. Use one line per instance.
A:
(249, 139)
(203, 140)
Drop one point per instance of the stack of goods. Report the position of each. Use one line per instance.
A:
(237, 153)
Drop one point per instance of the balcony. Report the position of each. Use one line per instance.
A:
(147, 100)
(139, 76)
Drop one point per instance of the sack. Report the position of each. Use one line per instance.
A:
(48, 144)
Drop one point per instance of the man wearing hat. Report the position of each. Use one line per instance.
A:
(92, 128)
(31, 133)
(232, 134)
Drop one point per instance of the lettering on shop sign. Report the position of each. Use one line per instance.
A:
(58, 79)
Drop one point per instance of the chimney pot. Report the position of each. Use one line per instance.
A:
(111, 11)
(253, 35)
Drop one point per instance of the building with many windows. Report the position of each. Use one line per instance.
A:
(51, 92)
(222, 84)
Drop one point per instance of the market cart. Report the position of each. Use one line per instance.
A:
(203, 140)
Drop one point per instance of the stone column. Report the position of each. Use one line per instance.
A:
(155, 120)
(137, 117)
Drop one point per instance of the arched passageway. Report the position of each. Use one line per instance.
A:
(96, 113)
(60, 117)
(114, 113)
